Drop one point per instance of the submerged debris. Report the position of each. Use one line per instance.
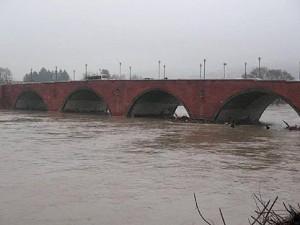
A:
(182, 119)
(265, 214)
(292, 128)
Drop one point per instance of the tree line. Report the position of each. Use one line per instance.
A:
(45, 75)
(268, 74)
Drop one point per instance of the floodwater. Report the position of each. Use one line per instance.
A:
(66, 169)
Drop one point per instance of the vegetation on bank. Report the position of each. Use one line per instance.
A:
(264, 214)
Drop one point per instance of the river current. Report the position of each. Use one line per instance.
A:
(68, 169)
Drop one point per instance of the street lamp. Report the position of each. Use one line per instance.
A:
(299, 70)
(164, 71)
(130, 72)
(204, 68)
(200, 70)
(31, 78)
(56, 73)
(74, 71)
(259, 59)
(224, 64)
(86, 68)
(245, 70)
(159, 69)
(120, 69)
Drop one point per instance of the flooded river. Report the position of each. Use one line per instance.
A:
(66, 169)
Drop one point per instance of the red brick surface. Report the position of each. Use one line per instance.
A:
(202, 98)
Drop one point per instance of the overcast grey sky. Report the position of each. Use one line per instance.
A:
(70, 33)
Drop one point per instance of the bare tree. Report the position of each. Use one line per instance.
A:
(5, 75)
(268, 74)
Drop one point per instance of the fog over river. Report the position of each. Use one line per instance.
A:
(70, 169)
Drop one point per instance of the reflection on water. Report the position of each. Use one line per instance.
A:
(83, 169)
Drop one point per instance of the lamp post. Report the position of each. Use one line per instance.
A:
(245, 70)
(159, 69)
(164, 72)
(204, 68)
(259, 59)
(224, 64)
(56, 73)
(74, 71)
(31, 78)
(130, 72)
(299, 70)
(200, 70)
(120, 69)
(86, 68)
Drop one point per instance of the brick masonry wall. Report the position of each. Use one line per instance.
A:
(202, 99)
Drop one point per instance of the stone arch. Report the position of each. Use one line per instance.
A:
(155, 103)
(30, 100)
(85, 101)
(246, 107)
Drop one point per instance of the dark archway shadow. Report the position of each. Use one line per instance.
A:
(30, 101)
(85, 101)
(247, 107)
(157, 104)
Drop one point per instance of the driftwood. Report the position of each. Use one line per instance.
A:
(265, 214)
(292, 128)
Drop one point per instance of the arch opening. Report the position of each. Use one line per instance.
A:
(157, 104)
(247, 107)
(30, 101)
(85, 101)
(278, 112)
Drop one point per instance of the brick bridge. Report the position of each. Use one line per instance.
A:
(210, 100)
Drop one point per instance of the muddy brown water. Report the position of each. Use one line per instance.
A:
(60, 169)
